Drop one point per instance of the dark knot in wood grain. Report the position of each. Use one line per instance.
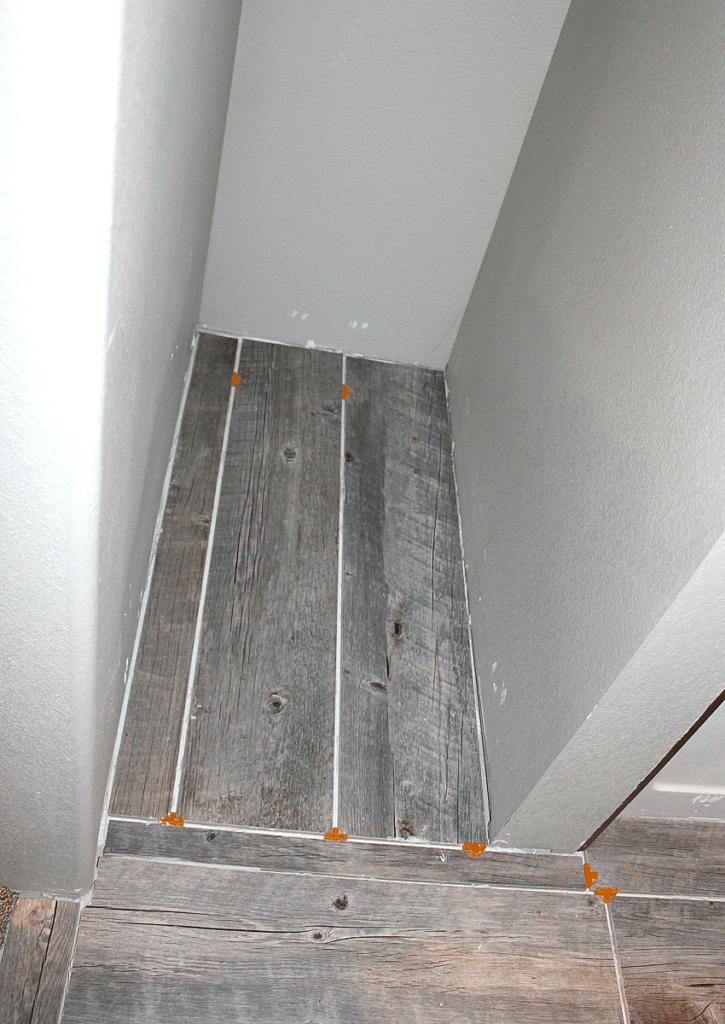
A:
(375, 685)
(397, 629)
(275, 702)
(211, 836)
(405, 829)
(340, 903)
(290, 453)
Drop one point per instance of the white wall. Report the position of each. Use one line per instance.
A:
(588, 404)
(111, 124)
(367, 152)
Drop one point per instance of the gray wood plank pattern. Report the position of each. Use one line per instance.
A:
(369, 860)
(409, 761)
(260, 746)
(36, 960)
(656, 855)
(672, 954)
(173, 943)
(147, 758)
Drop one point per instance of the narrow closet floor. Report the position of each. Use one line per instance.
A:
(282, 683)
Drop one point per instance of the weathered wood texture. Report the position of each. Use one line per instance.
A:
(261, 740)
(672, 954)
(409, 750)
(173, 943)
(36, 961)
(655, 855)
(8, 900)
(350, 859)
(144, 777)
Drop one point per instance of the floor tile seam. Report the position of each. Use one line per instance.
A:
(257, 869)
(186, 719)
(401, 844)
(617, 965)
(338, 635)
(105, 816)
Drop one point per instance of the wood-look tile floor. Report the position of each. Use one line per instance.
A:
(279, 685)
(256, 719)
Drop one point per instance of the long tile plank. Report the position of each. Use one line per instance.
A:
(174, 943)
(666, 857)
(350, 859)
(409, 751)
(672, 954)
(260, 748)
(146, 765)
(36, 960)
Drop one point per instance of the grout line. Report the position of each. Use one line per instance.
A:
(202, 597)
(66, 985)
(476, 695)
(215, 865)
(617, 965)
(338, 641)
(145, 599)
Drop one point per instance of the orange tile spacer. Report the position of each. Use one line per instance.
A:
(474, 849)
(172, 818)
(590, 876)
(235, 379)
(346, 392)
(606, 895)
(335, 833)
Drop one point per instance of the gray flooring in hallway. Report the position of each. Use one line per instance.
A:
(283, 687)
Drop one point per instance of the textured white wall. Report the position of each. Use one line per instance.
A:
(367, 152)
(111, 124)
(588, 390)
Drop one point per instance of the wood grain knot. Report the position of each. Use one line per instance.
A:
(375, 685)
(406, 829)
(351, 459)
(290, 453)
(275, 702)
(340, 903)
(211, 836)
(317, 936)
(397, 629)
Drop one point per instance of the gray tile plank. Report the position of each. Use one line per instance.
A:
(369, 860)
(180, 943)
(144, 777)
(260, 746)
(57, 963)
(36, 960)
(672, 954)
(409, 743)
(657, 855)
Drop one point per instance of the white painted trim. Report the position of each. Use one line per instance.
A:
(144, 600)
(338, 640)
(480, 727)
(202, 597)
(681, 787)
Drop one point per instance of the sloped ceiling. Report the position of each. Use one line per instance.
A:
(368, 149)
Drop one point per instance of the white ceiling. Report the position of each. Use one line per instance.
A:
(367, 152)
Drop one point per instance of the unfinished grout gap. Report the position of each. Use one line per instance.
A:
(202, 597)
(476, 696)
(338, 639)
